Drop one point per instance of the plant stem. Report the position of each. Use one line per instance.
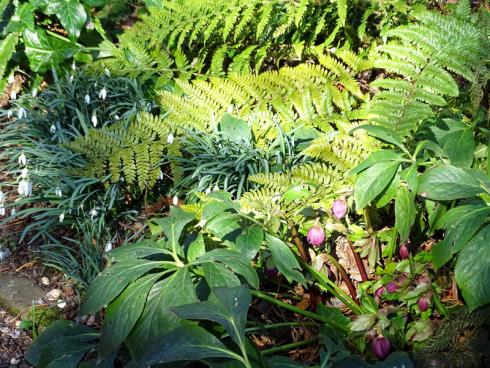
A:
(293, 345)
(299, 244)
(300, 311)
(345, 278)
(359, 263)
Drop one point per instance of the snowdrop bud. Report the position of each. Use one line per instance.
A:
(71, 78)
(52, 129)
(216, 187)
(87, 99)
(25, 188)
(13, 95)
(2, 210)
(170, 138)
(73, 66)
(108, 247)
(22, 113)
(13, 212)
(62, 217)
(160, 175)
(24, 173)
(175, 200)
(93, 213)
(107, 72)
(208, 191)
(103, 93)
(11, 79)
(2, 197)
(316, 236)
(94, 119)
(229, 110)
(58, 192)
(117, 117)
(9, 114)
(34, 92)
(22, 159)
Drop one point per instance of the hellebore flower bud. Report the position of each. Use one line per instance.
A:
(403, 252)
(381, 347)
(339, 208)
(379, 292)
(315, 236)
(271, 272)
(423, 303)
(391, 287)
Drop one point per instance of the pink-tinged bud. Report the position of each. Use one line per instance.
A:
(403, 252)
(271, 272)
(316, 236)
(339, 208)
(381, 347)
(423, 303)
(391, 287)
(379, 292)
(423, 280)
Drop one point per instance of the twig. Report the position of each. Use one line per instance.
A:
(345, 277)
(302, 249)
(359, 263)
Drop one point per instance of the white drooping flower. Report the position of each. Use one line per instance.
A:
(2, 210)
(58, 192)
(107, 72)
(9, 114)
(93, 213)
(13, 212)
(175, 200)
(52, 129)
(87, 99)
(160, 175)
(103, 93)
(25, 173)
(11, 79)
(25, 188)
(116, 117)
(22, 159)
(22, 113)
(4, 254)
(73, 66)
(208, 190)
(13, 95)
(62, 217)
(2, 197)
(34, 92)
(170, 138)
(216, 187)
(71, 78)
(108, 247)
(94, 119)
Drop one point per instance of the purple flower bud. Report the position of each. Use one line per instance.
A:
(403, 252)
(339, 208)
(379, 292)
(271, 273)
(423, 303)
(391, 287)
(381, 347)
(316, 236)
(423, 280)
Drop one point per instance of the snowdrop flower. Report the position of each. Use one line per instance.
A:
(87, 99)
(11, 79)
(22, 113)
(229, 110)
(216, 187)
(175, 200)
(34, 92)
(9, 114)
(94, 119)
(73, 66)
(2, 197)
(90, 25)
(52, 129)
(160, 175)
(2, 210)
(170, 138)
(71, 78)
(62, 217)
(93, 213)
(117, 117)
(108, 247)
(4, 254)
(58, 192)
(25, 188)
(13, 95)
(103, 93)
(13, 212)
(107, 72)
(208, 190)
(22, 159)
(24, 173)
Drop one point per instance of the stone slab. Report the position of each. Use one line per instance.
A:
(17, 293)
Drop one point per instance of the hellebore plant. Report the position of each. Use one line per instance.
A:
(339, 209)
(381, 347)
(316, 236)
(404, 252)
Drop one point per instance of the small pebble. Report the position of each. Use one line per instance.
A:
(53, 294)
(45, 281)
(14, 361)
(61, 304)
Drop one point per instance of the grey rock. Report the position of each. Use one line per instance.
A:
(18, 293)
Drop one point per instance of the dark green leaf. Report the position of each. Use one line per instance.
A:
(405, 212)
(249, 241)
(172, 227)
(284, 259)
(446, 182)
(374, 158)
(473, 270)
(71, 15)
(383, 133)
(459, 147)
(218, 275)
(196, 249)
(373, 181)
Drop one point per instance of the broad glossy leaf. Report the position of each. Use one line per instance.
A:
(284, 259)
(123, 313)
(22, 19)
(173, 225)
(383, 133)
(446, 182)
(45, 52)
(196, 248)
(473, 270)
(223, 224)
(156, 320)
(405, 212)
(113, 280)
(71, 14)
(132, 251)
(235, 129)
(459, 147)
(249, 241)
(62, 344)
(235, 261)
(229, 308)
(218, 275)
(373, 181)
(188, 342)
(374, 158)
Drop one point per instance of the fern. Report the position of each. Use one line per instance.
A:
(421, 58)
